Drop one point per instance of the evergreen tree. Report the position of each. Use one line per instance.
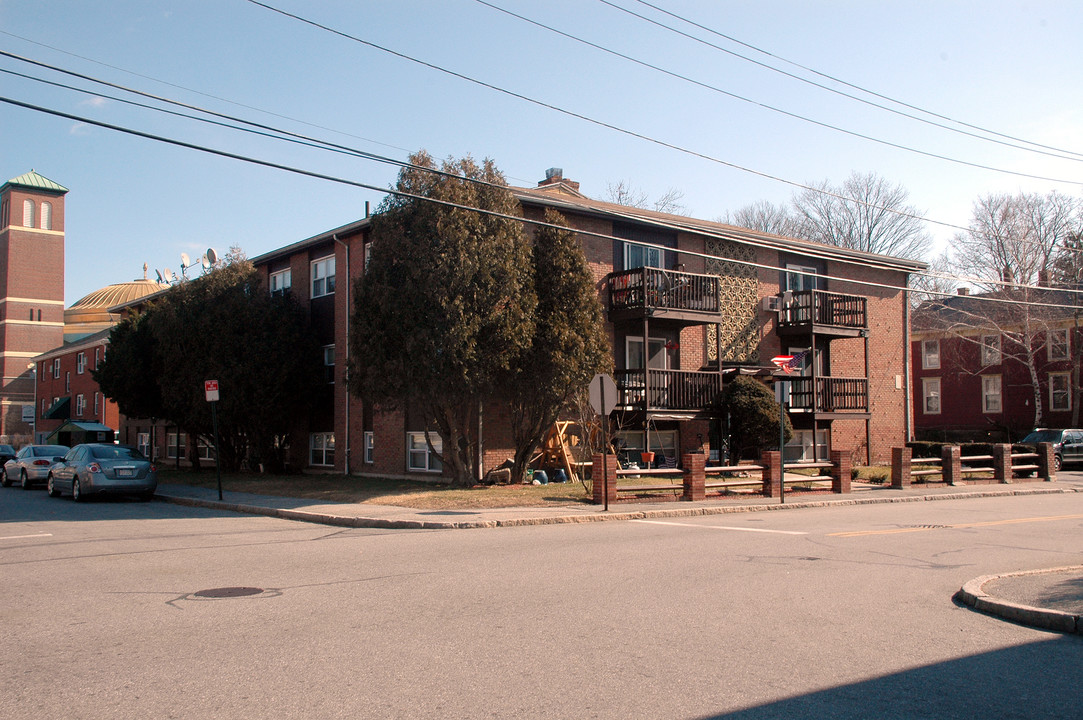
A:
(753, 416)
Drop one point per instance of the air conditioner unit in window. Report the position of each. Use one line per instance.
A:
(772, 303)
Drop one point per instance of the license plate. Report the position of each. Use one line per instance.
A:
(125, 472)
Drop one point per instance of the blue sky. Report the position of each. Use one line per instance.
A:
(1011, 67)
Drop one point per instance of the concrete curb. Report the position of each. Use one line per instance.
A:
(676, 512)
(973, 595)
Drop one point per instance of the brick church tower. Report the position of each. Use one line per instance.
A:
(31, 291)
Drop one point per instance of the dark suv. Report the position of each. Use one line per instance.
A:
(1067, 444)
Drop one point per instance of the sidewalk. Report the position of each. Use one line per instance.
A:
(1050, 599)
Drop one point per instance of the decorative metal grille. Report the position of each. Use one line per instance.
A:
(737, 297)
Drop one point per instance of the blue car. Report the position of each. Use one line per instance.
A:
(98, 468)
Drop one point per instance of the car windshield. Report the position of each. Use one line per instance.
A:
(107, 452)
(50, 451)
(7, 450)
(1040, 436)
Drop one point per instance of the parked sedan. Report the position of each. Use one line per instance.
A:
(97, 468)
(6, 453)
(31, 464)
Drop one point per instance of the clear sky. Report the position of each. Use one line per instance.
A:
(1012, 67)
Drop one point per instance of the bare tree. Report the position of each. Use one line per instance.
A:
(937, 282)
(622, 193)
(765, 216)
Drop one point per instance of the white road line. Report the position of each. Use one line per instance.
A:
(20, 537)
(723, 527)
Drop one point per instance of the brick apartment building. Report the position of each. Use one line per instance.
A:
(31, 292)
(712, 300)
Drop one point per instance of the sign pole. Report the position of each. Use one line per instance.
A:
(782, 439)
(605, 447)
(210, 387)
(603, 397)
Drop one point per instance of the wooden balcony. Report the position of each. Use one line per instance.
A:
(824, 313)
(685, 298)
(668, 390)
(829, 397)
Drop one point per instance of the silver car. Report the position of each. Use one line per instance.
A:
(31, 464)
(96, 468)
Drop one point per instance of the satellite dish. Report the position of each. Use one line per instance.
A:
(205, 263)
(159, 274)
(168, 275)
(212, 256)
(185, 260)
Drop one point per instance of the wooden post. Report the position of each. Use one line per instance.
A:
(901, 458)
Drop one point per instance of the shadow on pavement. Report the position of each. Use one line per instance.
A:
(1036, 680)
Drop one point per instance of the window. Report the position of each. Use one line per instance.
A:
(42, 373)
(990, 393)
(659, 359)
(67, 382)
(419, 456)
(97, 405)
(800, 278)
(930, 394)
(1058, 344)
(28, 213)
(281, 281)
(44, 407)
(97, 358)
(1060, 391)
(80, 404)
(4, 213)
(329, 363)
(990, 350)
(807, 446)
(46, 216)
(321, 449)
(176, 446)
(370, 446)
(80, 363)
(56, 369)
(323, 276)
(632, 445)
(930, 354)
(204, 450)
(142, 443)
(637, 256)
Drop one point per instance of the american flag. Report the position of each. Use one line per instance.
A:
(795, 362)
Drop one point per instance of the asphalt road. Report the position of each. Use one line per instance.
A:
(833, 612)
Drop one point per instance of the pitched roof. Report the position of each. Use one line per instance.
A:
(999, 308)
(36, 182)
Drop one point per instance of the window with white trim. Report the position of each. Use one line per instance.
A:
(329, 363)
(800, 278)
(1060, 391)
(990, 350)
(28, 213)
(56, 369)
(323, 276)
(990, 393)
(142, 443)
(930, 354)
(280, 281)
(321, 449)
(419, 456)
(637, 256)
(176, 446)
(930, 396)
(204, 450)
(80, 404)
(370, 446)
(67, 382)
(97, 405)
(80, 363)
(46, 216)
(1058, 346)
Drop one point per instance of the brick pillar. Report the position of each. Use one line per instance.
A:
(1047, 468)
(950, 465)
(900, 467)
(772, 473)
(840, 471)
(694, 476)
(1002, 463)
(598, 479)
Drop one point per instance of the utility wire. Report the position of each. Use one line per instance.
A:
(736, 237)
(772, 108)
(833, 79)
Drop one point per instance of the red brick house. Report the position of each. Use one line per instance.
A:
(973, 358)
(711, 300)
(71, 408)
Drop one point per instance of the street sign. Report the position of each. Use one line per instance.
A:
(211, 388)
(603, 394)
(28, 414)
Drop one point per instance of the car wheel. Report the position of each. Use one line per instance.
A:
(50, 487)
(24, 480)
(76, 490)
(4, 478)
(1056, 463)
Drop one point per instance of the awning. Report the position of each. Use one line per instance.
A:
(89, 426)
(60, 410)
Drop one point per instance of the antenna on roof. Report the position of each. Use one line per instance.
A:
(168, 274)
(212, 256)
(159, 274)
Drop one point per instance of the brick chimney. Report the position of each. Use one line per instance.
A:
(964, 291)
(555, 176)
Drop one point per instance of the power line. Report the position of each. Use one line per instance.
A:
(837, 80)
(772, 108)
(736, 237)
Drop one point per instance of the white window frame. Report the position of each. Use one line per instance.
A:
(1060, 340)
(663, 444)
(419, 457)
(656, 347)
(80, 405)
(204, 450)
(97, 401)
(46, 215)
(329, 363)
(931, 394)
(142, 443)
(637, 255)
(67, 382)
(806, 445)
(321, 449)
(56, 368)
(28, 213)
(800, 278)
(990, 350)
(992, 401)
(280, 281)
(323, 276)
(176, 446)
(1064, 380)
(80, 363)
(930, 354)
(369, 446)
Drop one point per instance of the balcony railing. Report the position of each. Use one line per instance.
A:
(818, 307)
(829, 394)
(649, 288)
(667, 390)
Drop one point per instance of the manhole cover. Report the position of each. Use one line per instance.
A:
(228, 592)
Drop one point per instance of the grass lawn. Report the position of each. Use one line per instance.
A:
(382, 491)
